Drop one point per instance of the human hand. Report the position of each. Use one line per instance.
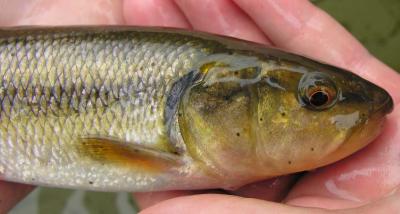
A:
(296, 26)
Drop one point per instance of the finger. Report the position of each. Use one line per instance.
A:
(154, 13)
(221, 17)
(363, 177)
(11, 194)
(214, 203)
(147, 199)
(274, 189)
(60, 12)
(389, 204)
(301, 27)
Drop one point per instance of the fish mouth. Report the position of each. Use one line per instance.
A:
(382, 102)
(386, 107)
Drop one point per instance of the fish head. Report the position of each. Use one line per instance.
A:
(313, 114)
(262, 117)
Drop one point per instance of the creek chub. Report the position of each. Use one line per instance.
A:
(150, 109)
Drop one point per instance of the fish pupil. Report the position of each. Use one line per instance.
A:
(319, 98)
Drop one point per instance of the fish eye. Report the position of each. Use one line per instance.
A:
(317, 91)
(319, 97)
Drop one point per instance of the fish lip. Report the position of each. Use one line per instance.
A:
(386, 107)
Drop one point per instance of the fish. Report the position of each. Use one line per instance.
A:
(137, 109)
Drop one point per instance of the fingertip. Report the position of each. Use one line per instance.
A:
(324, 202)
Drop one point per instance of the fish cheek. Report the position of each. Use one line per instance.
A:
(278, 129)
(216, 125)
(291, 137)
(353, 129)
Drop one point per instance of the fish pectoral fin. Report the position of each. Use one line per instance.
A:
(110, 151)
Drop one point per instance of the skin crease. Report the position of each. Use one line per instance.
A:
(365, 182)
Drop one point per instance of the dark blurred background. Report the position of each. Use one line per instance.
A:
(376, 23)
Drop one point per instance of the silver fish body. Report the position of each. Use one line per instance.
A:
(57, 87)
(99, 108)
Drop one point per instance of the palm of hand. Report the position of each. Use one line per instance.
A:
(296, 26)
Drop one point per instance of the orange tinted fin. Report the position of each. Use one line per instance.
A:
(109, 151)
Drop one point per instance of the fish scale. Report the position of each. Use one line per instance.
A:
(57, 88)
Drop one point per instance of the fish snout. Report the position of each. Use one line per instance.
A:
(382, 101)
